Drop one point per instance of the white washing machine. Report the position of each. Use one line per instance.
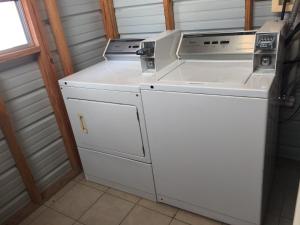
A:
(211, 123)
(105, 109)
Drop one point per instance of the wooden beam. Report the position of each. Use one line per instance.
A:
(15, 149)
(59, 36)
(50, 80)
(248, 14)
(11, 55)
(109, 19)
(169, 14)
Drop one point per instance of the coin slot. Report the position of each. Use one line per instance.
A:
(215, 42)
(206, 42)
(224, 42)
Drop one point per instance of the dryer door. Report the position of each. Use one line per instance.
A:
(106, 127)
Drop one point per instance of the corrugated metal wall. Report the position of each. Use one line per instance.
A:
(84, 31)
(83, 26)
(22, 88)
(13, 195)
(263, 12)
(139, 19)
(191, 15)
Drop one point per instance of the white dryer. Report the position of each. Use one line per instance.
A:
(105, 109)
(211, 123)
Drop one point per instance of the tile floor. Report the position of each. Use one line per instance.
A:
(85, 203)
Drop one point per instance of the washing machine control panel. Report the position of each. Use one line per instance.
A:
(209, 45)
(266, 41)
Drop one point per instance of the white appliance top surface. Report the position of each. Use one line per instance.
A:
(110, 75)
(233, 78)
(213, 72)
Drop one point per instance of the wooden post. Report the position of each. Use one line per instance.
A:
(50, 79)
(59, 36)
(248, 14)
(21, 163)
(169, 14)
(109, 19)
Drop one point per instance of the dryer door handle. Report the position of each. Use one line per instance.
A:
(82, 124)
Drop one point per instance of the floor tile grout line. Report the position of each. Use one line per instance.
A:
(55, 210)
(82, 183)
(85, 211)
(133, 207)
(183, 221)
(109, 188)
(106, 193)
(177, 209)
(171, 221)
(37, 216)
(63, 193)
(135, 203)
(116, 196)
(77, 220)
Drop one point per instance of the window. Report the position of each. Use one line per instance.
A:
(14, 33)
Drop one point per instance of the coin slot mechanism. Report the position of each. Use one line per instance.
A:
(224, 42)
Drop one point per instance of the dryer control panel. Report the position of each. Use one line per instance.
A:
(158, 52)
(122, 48)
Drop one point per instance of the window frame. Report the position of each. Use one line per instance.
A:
(32, 47)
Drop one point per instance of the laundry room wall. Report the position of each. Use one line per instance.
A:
(13, 195)
(139, 19)
(191, 15)
(84, 31)
(50, 39)
(262, 11)
(23, 90)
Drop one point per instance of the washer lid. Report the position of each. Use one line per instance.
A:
(230, 78)
(197, 72)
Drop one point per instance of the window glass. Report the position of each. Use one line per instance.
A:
(11, 27)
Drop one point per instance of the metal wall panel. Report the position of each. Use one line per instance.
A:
(139, 19)
(22, 87)
(13, 195)
(191, 15)
(262, 12)
(83, 27)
